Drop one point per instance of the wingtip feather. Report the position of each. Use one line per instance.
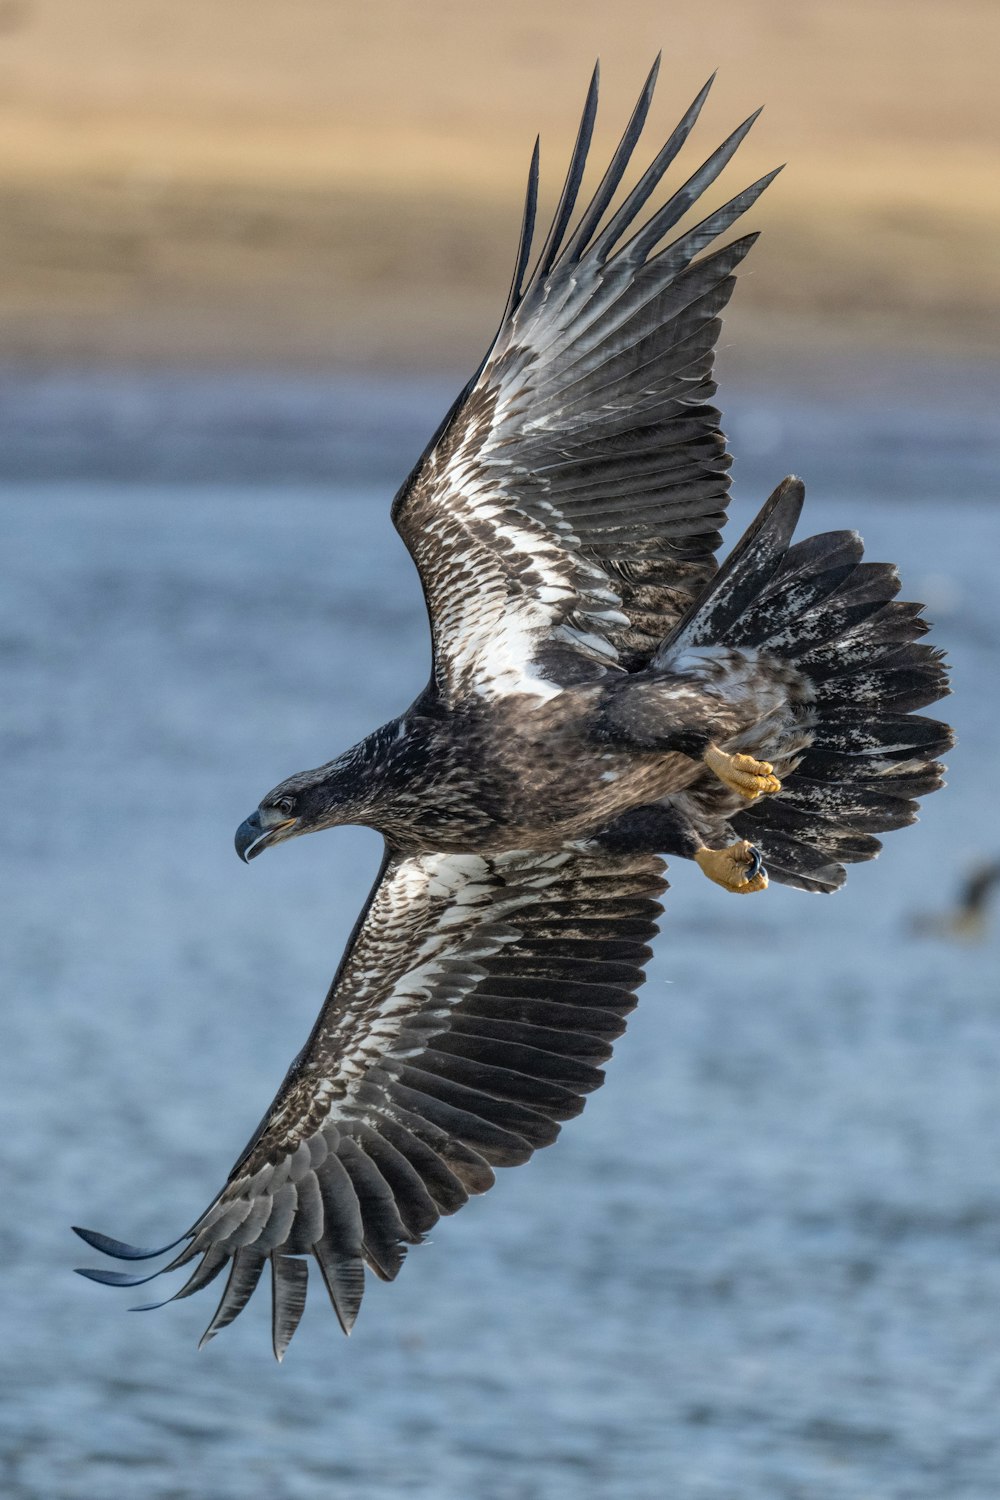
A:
(118, 1248)
(112, 1278)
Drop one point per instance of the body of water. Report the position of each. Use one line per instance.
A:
(763, 1265)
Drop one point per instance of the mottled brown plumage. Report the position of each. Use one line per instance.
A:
(601, 696)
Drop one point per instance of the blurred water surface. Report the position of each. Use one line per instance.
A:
(765, 1263)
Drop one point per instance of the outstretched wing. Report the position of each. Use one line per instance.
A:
(568, 509)
(470, 1015)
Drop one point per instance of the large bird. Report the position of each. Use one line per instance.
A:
(602, 694)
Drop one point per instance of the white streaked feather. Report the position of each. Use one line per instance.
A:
(502, 581)
(432, 895)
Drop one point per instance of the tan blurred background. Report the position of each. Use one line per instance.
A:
(311, 182)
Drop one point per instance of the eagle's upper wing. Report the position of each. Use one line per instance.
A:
(568, 509)
(470, 1014)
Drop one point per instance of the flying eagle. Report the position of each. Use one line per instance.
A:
(602, 694)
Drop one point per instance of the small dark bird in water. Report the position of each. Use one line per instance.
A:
(602, 694)
(968, 919)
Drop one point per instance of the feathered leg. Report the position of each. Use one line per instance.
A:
(665, 828)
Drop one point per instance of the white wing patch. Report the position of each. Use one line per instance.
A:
(567, 512)
(432, 919)
(501, 583)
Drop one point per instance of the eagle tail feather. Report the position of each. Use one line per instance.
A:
(816, 606)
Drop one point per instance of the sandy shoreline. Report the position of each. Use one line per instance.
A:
(312, 188)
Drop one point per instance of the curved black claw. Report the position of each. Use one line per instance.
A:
(756, 865)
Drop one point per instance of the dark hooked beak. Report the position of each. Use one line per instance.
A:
(252, 837)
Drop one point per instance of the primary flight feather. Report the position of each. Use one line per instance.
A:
(602, 695)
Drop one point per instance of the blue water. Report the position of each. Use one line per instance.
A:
(764, 1264)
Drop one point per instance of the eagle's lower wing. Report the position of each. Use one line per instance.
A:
(568, 509)
(470, 1015)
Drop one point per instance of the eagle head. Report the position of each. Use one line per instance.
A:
(336, 793)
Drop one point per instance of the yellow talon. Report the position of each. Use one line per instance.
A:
(728, 867)
(742, 774)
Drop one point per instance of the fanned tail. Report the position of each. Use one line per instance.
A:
(816, 606)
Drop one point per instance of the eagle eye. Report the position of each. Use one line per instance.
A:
(283, 804)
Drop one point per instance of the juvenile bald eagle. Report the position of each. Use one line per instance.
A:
(602, 695)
